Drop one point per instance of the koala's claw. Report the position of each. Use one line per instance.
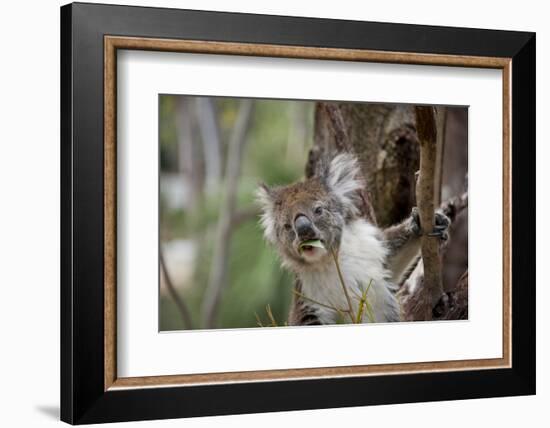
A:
(442, 223)
(441, 234)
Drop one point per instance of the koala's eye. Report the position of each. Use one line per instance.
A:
(318, 210)
(287, 226)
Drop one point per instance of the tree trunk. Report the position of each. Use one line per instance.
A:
(384, 139)
(425, 196)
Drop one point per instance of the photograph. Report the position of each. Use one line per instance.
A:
(272, 212)
(287, 213)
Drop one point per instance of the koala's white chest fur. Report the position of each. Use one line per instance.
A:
(362, 257)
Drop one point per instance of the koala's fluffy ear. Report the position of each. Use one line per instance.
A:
(266, 199)
(344, 180)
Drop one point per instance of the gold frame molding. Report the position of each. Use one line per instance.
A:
(113, 43)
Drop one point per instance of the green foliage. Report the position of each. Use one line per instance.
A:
(253, 285)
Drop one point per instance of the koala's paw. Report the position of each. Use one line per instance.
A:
(415, 222)
(440, 230)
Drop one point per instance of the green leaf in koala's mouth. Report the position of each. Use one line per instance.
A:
(307, 245)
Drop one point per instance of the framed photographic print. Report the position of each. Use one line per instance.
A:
(265, 213)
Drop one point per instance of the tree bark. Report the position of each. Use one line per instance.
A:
(425, 194)
(384, 139)
(457, 307)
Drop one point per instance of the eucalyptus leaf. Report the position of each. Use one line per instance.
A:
(313, 243)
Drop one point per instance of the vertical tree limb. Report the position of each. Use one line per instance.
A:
(219, 267)
(427, 136)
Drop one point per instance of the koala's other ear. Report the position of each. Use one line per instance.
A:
(344, 180)
(266, 198)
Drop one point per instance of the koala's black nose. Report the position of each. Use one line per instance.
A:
(304, 227)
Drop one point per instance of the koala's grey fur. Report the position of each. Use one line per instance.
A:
(327, 206)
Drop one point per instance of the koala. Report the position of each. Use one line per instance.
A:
(326, 208)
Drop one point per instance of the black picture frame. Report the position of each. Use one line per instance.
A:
(83, 398)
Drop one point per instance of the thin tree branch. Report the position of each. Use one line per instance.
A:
(182, 307)
(218, 272)
(303, 296)
(427, 136)
(343, 284)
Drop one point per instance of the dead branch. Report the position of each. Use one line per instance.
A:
(218, 272)
(182, 307)
(427, 136)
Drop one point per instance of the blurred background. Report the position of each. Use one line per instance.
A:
(216, 271)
